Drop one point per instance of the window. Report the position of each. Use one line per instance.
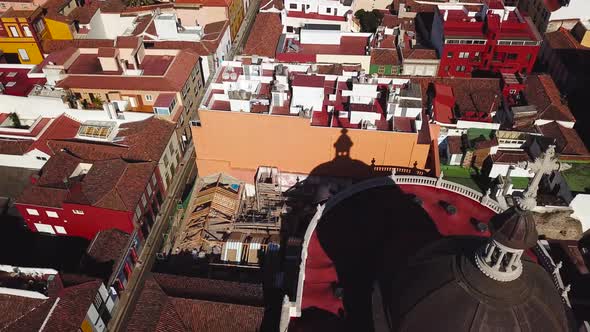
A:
(195, 123)
(166, 161)
(154, 180)
(137, 213)
(133, 101)
(79, 212)
(460, 68)
(97, 129)
(476, 54)
(148, 98)
(161, 111)
(143, 200)
(293, 6)
(32, 212)
(464, 55)
(14, 32)
(329, 10)
(52, 214)
(27, 31)
(450, 55)
(44, 228)
(60, 230)
(512, 56)
(40, 25)
(149, 190)
(23, 54)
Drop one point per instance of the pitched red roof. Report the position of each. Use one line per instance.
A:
(509, 157)
(25, 314)
(542, 92)
(567, 140)
(62, 127)
(14, 147)
(384, 56)
(208, 3)
(455, 144)
(50, 46)
(264, 36)
(158, 311)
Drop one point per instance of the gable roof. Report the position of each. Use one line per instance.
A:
(384, 56)
(264, 36)
(567, 140)
(67, 314)
(542, 92)
(157, 310)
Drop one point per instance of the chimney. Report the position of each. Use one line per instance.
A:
(107, 56)
(54, 285)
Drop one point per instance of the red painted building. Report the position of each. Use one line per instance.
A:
(91, 185)
(483, 39)
(78, 198)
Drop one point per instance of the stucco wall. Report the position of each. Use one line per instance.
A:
(203, 15)
(363, 60)
(238, 143)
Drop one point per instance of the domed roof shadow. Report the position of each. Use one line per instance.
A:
(364, 236)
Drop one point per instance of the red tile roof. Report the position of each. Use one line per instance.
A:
(264, 36)
(61, 127)
(128, 41)
(509, 157)
(14, 147)
(25, 314)
(208, 3)
(383, 56)
(157, 310)
(269, 4)
(50, 45)
(455, 144)
(311, 81)
(567, 140)
(111, 184)
(108, 246)
(173, 80)
(542, 92)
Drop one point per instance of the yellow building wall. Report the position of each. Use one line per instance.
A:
(10, 45)
(57, 30)
(237, 143)
(236, 16)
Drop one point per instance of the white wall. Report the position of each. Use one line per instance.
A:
(475, 124)
(28, 160)
(113, 25)
(97, 29)
(324, 37)
(308, 97)
(502, 169)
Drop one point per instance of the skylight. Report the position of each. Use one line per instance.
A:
(97, 129)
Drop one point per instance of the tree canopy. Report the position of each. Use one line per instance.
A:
(369, 21)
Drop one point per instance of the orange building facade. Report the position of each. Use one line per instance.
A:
(237, 143)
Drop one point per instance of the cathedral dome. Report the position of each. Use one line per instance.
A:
(444, 287)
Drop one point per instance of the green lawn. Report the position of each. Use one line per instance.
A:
(578, 177)
(455, 171)
(473, 133)
(519, 182)
(461, 176)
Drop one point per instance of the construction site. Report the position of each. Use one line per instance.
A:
(229, 222)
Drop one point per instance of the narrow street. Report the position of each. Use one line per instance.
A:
(188, 166)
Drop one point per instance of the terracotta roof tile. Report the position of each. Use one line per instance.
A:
(128, 41)
(50, 46)
(455, 144)
(264, 36)
(160, 309)
(71, 310)
(14, 147)
(509, 157)
(210, 289)
(268, 4)
(382, 56)
(542, 92)
(61, 128)
(567, 140)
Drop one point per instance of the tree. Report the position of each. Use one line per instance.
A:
(96, 102)
(369, 21)
(15, 120)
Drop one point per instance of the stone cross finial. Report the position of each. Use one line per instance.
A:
(544, 164)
